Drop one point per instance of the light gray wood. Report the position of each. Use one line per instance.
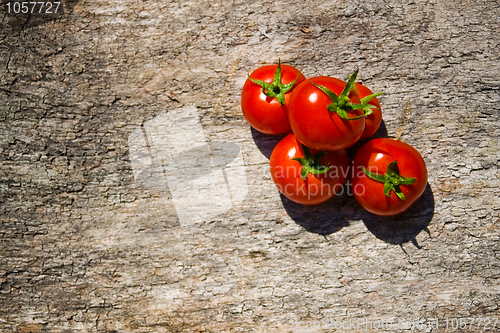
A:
(84, 249)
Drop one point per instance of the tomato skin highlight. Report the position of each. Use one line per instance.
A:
(375, 156)
(372, 122)
(314, 125)
(263, 113)
(315, 189)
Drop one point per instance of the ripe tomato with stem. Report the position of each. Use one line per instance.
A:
(326, 113)
(307, 176)
(265, 97)
(388, 176)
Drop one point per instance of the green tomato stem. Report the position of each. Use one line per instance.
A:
(275, 89)
(342, 104)
(391, 179)
(310, 163)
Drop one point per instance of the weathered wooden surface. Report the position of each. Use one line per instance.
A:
(83, 249)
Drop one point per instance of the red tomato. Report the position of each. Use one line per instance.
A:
(317, 127)
(388, 188)
(372, 121)
(291, 162)
(266, 113)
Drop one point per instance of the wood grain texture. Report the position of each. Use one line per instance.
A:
(83, 249)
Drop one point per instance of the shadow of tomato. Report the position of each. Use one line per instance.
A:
(323, 219)
(266, 143)
(406, 226)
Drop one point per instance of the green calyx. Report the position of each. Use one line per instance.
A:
(392, 179)
(342, 104)
(275, 89)
(311, 164)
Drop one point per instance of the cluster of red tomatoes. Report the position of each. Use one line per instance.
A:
(324, 116)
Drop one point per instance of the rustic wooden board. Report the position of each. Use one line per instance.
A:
(85, 249)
